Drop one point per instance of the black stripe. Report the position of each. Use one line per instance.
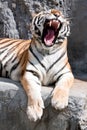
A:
(1, 69)
(6, 40)
(10, 59)
(33, 72)
(14, 59)
(62, 75)
(37, 49)
(60, 70)
(39, 19)
(35, 20)
(64, 29)
(14, 67)
(12, 42)
(61, 37)
(56, 61)
(3, 51)
(33, 65)
(4, 57)
(7, 76)
(7, 44)
(37, 58)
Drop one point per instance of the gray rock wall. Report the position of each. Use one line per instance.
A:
(78, 39)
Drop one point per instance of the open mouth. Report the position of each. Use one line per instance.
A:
(50, 32)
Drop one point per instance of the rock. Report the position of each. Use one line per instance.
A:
(13, 102)
(7, 22)
(78, 38)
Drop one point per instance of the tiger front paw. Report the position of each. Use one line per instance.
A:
(60, 98)
(35, 110)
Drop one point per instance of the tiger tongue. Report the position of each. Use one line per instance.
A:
(48, 39)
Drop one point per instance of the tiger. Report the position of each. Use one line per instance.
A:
(45, 62)
(48, 62)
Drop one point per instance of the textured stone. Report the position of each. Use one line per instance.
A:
(7, 22)
(13, 101)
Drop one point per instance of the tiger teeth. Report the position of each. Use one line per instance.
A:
(54, 23)
(58, 25)
(54, 20)
(50, 23)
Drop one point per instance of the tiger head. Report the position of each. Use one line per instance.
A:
(50, 27)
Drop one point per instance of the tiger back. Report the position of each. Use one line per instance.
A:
(13, 57)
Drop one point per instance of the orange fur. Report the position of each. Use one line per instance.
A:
(23, 58)
(14, 49)
(16, 46)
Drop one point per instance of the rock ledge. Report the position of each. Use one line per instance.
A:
(13, 101)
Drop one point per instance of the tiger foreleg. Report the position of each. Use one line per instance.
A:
(60, 93)
(35, 103)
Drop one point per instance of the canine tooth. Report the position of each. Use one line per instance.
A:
(58, 25)
(54, 20)
(50, 23)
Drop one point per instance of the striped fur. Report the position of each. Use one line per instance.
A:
(13, 57)
(47, 63)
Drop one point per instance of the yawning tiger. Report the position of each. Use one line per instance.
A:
(46, 62)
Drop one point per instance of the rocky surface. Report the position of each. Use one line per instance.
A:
(13, 103)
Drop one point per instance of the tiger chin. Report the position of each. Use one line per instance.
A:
(48, 63)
